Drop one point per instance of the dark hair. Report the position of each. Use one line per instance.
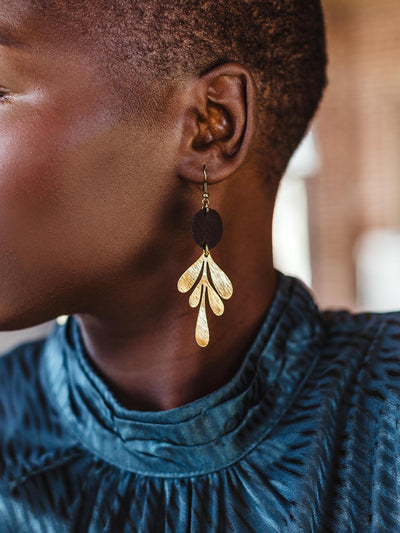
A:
(282, 42)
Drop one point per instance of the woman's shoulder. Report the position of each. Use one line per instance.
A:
(19, 376)
(29, 428)
(20, 387)
(369, 344)
(346, 319)
(374, 332)
(343, 325)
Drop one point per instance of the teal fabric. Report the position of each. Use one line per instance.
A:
(305, 437)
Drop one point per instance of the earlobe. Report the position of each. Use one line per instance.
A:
(225, 123)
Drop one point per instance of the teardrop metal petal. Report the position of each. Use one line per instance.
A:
(195, 296)
(202, 334)
(186, 281)
(220, 279)
(216, 304)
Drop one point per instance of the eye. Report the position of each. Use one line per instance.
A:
(3, 94)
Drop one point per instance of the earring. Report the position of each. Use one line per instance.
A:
(206, 229)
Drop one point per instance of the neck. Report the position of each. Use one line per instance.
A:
(140, 337)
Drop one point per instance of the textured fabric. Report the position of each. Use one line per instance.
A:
(304, 438)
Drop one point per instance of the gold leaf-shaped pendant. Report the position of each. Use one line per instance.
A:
(216, 304)
(194, 298)
(220, 279)
(202, 334)
(186, 281)
(223, 289)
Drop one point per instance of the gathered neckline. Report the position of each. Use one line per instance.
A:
(208, 433)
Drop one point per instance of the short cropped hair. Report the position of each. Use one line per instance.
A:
(282, 43)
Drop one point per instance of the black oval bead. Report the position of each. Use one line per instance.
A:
(206, 228)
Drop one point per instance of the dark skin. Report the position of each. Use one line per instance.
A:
(95, 213)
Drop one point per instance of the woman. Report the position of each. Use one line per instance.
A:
(138, 139)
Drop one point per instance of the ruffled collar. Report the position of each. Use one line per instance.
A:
(209, 433)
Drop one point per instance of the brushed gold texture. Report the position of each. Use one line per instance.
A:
(223, 289)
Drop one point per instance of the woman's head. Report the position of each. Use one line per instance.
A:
(150, 44)
(108, 110)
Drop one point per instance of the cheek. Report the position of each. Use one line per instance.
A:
(52, 157)
(70, 216)
(44, 240)
(65, 206)
(29, 211)
(26, 159)
(28, 182)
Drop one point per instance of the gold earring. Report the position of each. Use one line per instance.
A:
(206, 229)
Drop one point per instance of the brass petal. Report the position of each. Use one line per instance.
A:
(195, 296)
(220, 279)
(202, 334)
(216, 304)
(186, 281)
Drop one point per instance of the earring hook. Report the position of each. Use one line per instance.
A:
(205, 190)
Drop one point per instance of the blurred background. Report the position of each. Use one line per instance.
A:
(337, 216)
(337, 219)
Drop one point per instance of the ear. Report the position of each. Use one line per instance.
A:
(219, 123)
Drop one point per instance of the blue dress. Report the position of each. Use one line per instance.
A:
(304, 438)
